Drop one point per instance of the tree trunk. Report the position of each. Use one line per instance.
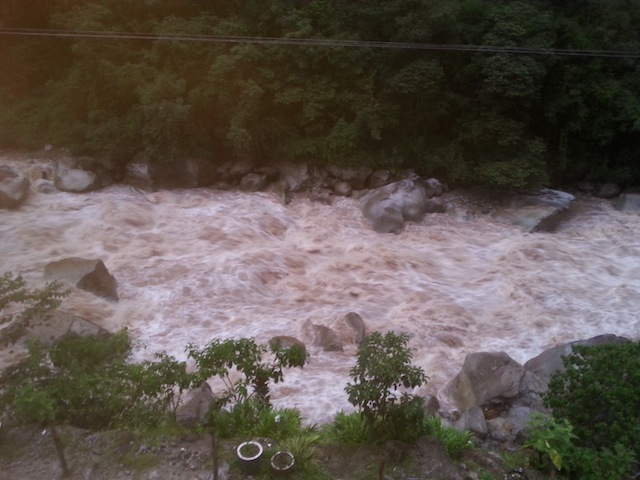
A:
(60, 450)
(214, 454)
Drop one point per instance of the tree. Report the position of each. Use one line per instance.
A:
(86, 381)
(251, 391)
(382, 373)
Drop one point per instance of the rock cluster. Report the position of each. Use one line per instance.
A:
(495, 395)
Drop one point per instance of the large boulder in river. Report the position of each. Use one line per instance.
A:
(85, 274)
(285, 341)
(539, 212)
(13, 187)
(389, 206)
(540, 369)
(324, 337)
(76, 180)
(629, 200)
(485, 378)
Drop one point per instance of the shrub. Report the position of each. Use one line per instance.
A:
(599, 395)
(218, 357)
(452, 439)
(383, 369)
(348, 428)
(557, 448)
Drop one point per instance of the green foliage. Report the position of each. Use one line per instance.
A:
(383, 370)
(553, 440)
(502, 119)
(32, 303)
(218, 357)
(302, 446)
(599, 395)
(452, 439)
(558, 450)
(87, 381)
(348, 428)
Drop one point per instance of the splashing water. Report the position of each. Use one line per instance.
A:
(193, 265)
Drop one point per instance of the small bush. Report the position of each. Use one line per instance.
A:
(381, 376)
(348, 428)
(302, 446)
(452, 439)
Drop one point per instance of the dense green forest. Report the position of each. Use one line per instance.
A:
(502, 119)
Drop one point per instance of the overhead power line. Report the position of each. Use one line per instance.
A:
(317, 42)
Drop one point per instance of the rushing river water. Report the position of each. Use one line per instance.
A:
(193, 265)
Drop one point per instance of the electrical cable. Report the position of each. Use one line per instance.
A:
(317, 42)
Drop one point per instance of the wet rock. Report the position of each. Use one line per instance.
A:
(194, 411)
(431, 405)
(76, 180)
(85, 274)
(607, 190)
(355, 323)
(379, 178)
(473, 420)
(629, 201)
(486, 377)
(433, 187)
(13, 187)
(44, 186)
(286, 342)
(388, 207)
(323, 337)
(355, 176)
(320, 195)
(254, 182)
(137, 174)
(343, 188)
(540, 212)
(550, 361)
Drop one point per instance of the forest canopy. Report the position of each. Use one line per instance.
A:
(517, 120)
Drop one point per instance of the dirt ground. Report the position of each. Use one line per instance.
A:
(28, 453)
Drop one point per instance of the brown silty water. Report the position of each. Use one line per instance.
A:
(193, 265)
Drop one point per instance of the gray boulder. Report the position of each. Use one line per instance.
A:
(324, 337)
(473, 420)
(607, 190)
(343, 189)
(485, 378)
(193, 412)
(540, 212)
(379, 178)
(137, 174)
(85, 274)
(13, 187)
(286, 342)
(254, 182)
(356, 324)
(390, 206)
(550, 361)
(628, 201)
(355, 176)
(76, 180)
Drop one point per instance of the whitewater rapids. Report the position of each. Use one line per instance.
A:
(193, 265)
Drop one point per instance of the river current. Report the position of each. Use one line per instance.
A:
(193, 265)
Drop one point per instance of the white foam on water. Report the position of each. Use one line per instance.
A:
(194, 265)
